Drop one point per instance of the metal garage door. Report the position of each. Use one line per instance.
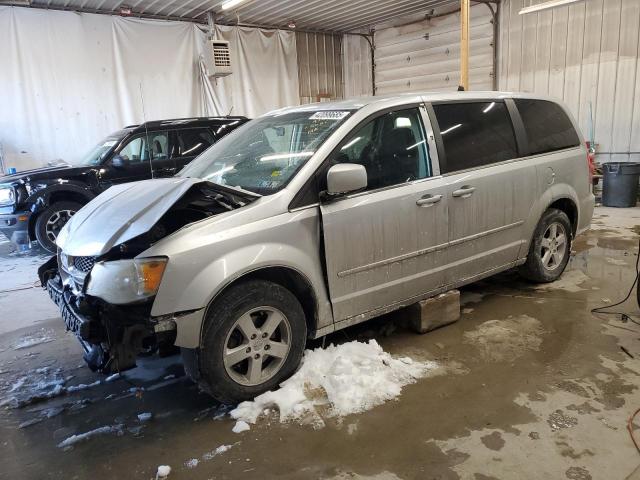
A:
(426, 55)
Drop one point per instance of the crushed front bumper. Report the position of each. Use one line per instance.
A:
(111, 336)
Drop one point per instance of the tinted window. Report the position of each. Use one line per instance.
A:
(475, 134)
(137, 150)
(391, 147)
(192, 142)
(547, 125)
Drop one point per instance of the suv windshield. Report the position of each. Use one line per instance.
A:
(97, 153)
(264, 154)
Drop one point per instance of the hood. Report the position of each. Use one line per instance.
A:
(44, 173)
(130, 210)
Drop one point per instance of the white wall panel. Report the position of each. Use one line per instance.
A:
(425, 55)
(585, 54)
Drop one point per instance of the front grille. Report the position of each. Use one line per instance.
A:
(84, 264)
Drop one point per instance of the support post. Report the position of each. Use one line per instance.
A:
(464, 44)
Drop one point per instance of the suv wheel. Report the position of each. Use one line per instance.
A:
(50, 222)
(550, 248)
(253, 339)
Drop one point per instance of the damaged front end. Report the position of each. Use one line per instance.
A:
(106, 299)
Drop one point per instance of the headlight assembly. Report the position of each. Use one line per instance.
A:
(126, 281)
(7, 196)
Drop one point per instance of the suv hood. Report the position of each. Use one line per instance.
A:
(44, 173)
(127, 211)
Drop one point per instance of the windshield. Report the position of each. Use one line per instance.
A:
(264, 154)
(98, 152)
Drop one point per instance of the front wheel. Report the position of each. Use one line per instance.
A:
(550, 248)
(51, 220)
(253, 339)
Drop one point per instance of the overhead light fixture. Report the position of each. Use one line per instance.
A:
(291, 24)
(229, 4)
(125, 10)
(546, 6)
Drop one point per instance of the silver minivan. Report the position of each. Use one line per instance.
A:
(313, 218)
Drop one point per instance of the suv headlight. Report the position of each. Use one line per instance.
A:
(7, 196)
(126, 281)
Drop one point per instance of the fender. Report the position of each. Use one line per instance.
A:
(552, 194)
(41, 195)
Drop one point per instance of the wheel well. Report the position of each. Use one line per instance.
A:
(293, 281)
(54, 197)
(569, 208)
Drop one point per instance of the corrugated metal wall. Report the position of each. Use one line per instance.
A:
(585, 54)
(319, 66)
(426, 55)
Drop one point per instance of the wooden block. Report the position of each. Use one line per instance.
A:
(434, 312)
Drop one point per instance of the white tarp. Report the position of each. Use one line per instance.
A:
(68, 79)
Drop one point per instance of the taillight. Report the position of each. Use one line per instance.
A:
(591, 161)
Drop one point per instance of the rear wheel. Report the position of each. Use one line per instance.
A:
(50, 222)
(253, 339)
(550, 248)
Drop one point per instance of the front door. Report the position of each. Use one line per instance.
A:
(490, 191)
(385, 245)
(143, 156)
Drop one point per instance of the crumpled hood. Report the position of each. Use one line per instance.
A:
(120, 214)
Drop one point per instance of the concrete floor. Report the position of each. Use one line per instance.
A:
(534, 386)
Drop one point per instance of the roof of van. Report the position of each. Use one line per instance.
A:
(359, 102)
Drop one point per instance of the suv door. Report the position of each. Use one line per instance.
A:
(188, 143)
(386, 244)
(137, 161)
(490, 191)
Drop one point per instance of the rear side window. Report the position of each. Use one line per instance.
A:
(475, 134)
(547, 126)
(192, 142)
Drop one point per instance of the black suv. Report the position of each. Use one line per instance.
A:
(35, 204)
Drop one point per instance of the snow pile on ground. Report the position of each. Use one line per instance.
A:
(336, 381)
(39, 384)
(505, 340)
(163, 471)
(82, 437)
(33, 339)
(36, 385)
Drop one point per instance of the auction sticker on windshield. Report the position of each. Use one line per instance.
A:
(329, 115)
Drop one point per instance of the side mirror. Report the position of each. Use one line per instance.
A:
(345, 178)
(118, 162)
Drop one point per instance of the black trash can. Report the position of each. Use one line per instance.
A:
(620, 187)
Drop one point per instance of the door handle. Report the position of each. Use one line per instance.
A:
(464, 192)
(428, 200)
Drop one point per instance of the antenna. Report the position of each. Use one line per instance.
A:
(146, 130)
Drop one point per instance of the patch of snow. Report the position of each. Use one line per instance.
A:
(163, 471)
(83, 437)
(36, 385)
(113, 377)
(218, 451)
(144, 417)
(339, 380)
(241, 426)
(82, 386)
(33, 339)
(193, 463)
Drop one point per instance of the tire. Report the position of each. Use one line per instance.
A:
(547, 259)
(51, 220)
(235, 345)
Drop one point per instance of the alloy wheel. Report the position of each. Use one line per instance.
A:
(257, 346)
(553, 246)
(56, 221)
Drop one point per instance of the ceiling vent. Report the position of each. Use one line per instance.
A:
(221, 53)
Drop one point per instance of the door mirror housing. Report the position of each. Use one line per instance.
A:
(346, 178)
(118, 162)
